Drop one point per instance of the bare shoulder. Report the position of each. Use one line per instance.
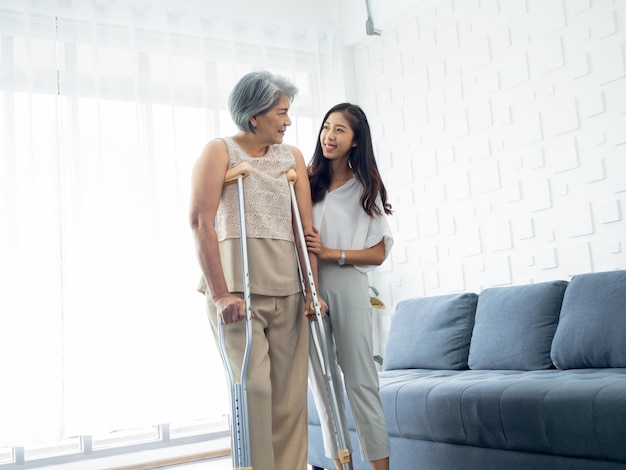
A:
(295, 150)
(213, 157)
(214, 149)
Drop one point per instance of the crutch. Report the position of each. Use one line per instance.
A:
(318, 333)
(238, 392)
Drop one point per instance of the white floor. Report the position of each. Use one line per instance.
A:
(217, 464)
(137, 458)
(221, 464)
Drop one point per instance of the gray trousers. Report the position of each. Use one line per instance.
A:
(349, 337)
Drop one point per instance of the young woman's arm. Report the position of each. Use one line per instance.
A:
(373, 256)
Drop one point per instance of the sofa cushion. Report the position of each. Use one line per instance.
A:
(515, 325)
(431, 332)
(576, 413)
(591, 330)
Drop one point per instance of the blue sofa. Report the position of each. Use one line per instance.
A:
(518, 377)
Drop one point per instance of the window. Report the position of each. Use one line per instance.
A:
(105, 107)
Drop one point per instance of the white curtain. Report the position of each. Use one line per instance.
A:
(104, 107)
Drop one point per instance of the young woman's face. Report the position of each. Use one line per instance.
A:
(272, 125)
(336, 137)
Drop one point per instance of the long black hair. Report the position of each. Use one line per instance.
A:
(361, 160)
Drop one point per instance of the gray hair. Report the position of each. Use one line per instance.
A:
(257, 93)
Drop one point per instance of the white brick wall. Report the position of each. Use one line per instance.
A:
(500, 129)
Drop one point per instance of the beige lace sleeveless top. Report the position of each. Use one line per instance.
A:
(266, 194)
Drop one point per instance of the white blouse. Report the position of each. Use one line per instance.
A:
(343, 223)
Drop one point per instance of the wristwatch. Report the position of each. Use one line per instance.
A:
(342, 259)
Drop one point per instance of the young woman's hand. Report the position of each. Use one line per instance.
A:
(314, 243)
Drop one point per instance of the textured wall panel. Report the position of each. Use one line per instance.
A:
(497, 234)
(579, 67)
(512, 9)
(577, 258)
(607, 212)
(486, 177)
(615, 96)
(456, 124)
(457, 185)
(618, 133)
(480, 115)
(592, 104)
(501, 39)
(595, 171)
(550, 56)
(562, 116)
(428, 222)
(527, 123)
(610, 64)
(616, 169)
(537, 194)
(578, 6)
(606, 25)
(577, 220)
(470, 238)
(513, 119)
(476, 53)
(453, 278)
(523, 227)
(514, 69)
(549, 14)
(563, 154)
(498, 269)
(533, 158)
(547, 257)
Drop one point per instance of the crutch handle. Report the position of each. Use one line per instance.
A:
(240, 170)
(292, 176)
(344, 456)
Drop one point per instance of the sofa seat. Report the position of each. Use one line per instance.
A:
(562, 412)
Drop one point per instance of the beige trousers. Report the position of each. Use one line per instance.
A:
(277, 379)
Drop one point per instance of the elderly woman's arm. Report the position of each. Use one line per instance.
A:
(206, 188)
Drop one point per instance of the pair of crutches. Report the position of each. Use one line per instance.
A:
(238, 392)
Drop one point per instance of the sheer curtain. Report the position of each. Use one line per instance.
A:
(105, 106)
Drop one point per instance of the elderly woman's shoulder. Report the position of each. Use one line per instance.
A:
(295, 150)
(215, 145)
(214, 150)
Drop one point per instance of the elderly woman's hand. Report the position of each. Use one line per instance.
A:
(230, 308)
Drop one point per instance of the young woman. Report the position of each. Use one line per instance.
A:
(277, 370)
(351, 237)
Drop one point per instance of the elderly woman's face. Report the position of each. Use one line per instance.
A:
(273, 124)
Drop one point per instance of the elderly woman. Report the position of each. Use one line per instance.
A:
(277, 370)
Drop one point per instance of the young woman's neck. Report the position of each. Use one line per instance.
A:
(340, 170)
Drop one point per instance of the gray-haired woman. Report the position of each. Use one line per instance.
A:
(277, 371)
